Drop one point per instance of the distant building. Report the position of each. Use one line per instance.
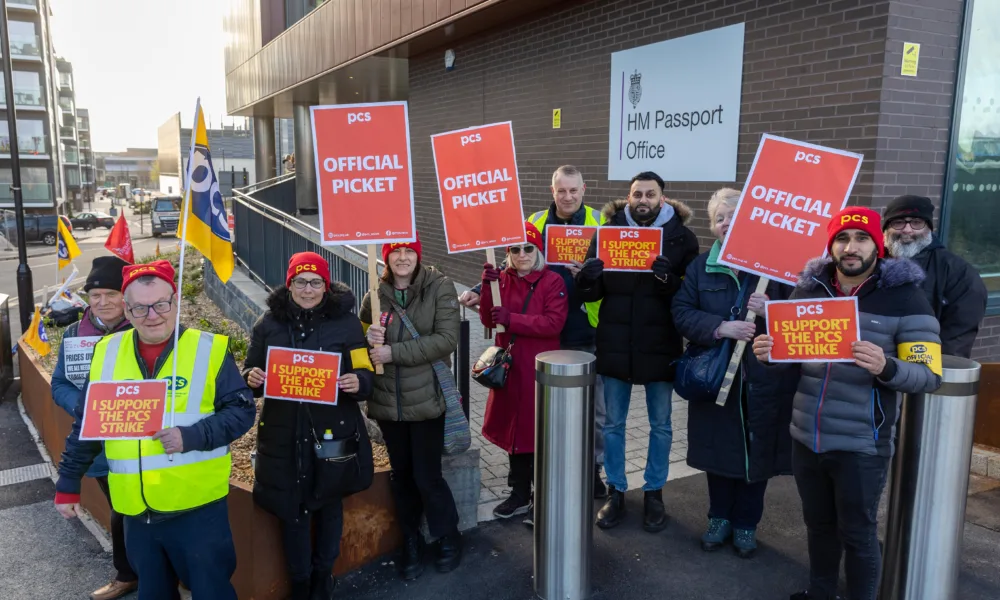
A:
(136, 167)
(232, 155)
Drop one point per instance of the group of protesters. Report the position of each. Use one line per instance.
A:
(832, 425)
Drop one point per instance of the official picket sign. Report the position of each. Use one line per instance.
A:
(363, 172)
(792, 192)
(302, 375)
(628, 248)
(124, 410)
(480, 193)
(565, 244)
(813, 330)
(77, 352)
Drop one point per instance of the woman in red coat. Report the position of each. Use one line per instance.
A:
(510, 412)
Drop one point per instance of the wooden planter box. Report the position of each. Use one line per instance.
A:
(987, 430)
(370, 528)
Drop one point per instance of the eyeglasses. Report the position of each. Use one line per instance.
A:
(915, 224)
(300, 284)
(515, 250)
(141, 311)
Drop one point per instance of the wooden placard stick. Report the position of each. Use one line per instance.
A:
(373, 289)
(491, 257)
(734, 362)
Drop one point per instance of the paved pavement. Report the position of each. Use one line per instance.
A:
(494, 462)
(42, 556)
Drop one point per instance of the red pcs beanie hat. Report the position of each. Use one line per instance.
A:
(161, 269)
(857, 217)
(416, 246)
(533, 235)
(307, 262)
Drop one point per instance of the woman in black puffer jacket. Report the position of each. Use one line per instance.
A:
(310, 313)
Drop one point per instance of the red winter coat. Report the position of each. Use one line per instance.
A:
(510, 412)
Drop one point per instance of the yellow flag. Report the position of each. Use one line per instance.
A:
(35, 335)
(68, 250)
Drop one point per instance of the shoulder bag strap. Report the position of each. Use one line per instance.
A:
(736, 310)
(524, 309)
(442, 373)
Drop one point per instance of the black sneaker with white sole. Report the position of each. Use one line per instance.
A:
(514, 505)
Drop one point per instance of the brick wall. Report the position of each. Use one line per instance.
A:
(812, 71)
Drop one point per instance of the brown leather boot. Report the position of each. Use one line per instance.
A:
(115, 589)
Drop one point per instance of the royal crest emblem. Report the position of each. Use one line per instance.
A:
(635, 89)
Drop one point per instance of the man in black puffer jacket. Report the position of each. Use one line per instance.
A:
(637, 340)
(844, 414)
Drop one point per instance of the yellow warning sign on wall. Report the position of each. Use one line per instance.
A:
(911, 57)
(556, 118)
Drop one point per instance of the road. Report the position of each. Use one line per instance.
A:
(44, 266)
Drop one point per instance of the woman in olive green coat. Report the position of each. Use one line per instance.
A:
(408, 403)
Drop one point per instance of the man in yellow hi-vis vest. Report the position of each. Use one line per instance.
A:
(172, 487)
(578, 333)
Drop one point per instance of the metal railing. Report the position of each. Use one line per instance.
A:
(266, 238)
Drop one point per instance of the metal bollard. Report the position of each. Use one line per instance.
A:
(929, 487)
(564, 473)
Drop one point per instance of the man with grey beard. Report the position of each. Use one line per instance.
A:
(953, 286)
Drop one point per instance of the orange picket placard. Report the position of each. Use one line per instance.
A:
(123, 410)
(817, 330)
(479, 189)
(567, 243)
(302, 375)
(792, 192)
(628, 248)
(363, 173)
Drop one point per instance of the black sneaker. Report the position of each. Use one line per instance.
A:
(411, 559)
(514, 505)
(600, 490)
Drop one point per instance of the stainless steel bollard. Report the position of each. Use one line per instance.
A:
(929, 487)
(564, 473)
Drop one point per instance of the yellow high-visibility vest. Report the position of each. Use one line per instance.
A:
(592, 218)
(141, 475)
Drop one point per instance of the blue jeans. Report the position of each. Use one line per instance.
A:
(617, 395)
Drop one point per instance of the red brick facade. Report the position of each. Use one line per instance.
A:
(820, 71)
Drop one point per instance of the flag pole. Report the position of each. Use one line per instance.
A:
(185, 207)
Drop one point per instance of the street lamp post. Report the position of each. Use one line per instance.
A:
(25, 290)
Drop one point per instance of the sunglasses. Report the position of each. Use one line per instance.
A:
(515, 250)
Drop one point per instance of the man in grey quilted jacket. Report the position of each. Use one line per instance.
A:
(844, 414)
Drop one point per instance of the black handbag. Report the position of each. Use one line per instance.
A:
(700, 370)
(494, 364)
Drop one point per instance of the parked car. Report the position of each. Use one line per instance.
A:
(91, 220)
(37, 228)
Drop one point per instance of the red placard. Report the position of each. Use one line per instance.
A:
(567, 243)
(302, 375)
(792, 192)
(123, 410)
(362, 154)
(819, 330)
(480, 194)
(629, 248)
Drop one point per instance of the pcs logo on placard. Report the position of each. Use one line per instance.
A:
(359, 117)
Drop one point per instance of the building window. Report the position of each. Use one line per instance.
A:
(35, 186)
(27, 89)
(972, 194)
(23, 40)
(30, 137)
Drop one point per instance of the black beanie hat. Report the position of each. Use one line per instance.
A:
(909, 206)
(105, 273)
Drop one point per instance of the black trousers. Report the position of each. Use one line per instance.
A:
(418, 487)
(735, 500)
(118, 556)
(301, 555)
(840, 492)
(521, 475)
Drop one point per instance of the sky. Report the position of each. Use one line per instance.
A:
(138, 62)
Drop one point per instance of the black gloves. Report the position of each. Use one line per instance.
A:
(591, 269)
(661, 268)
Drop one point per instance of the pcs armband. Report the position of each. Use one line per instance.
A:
(927, 353)
(360, 360)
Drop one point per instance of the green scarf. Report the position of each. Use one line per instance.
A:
(713, 266)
